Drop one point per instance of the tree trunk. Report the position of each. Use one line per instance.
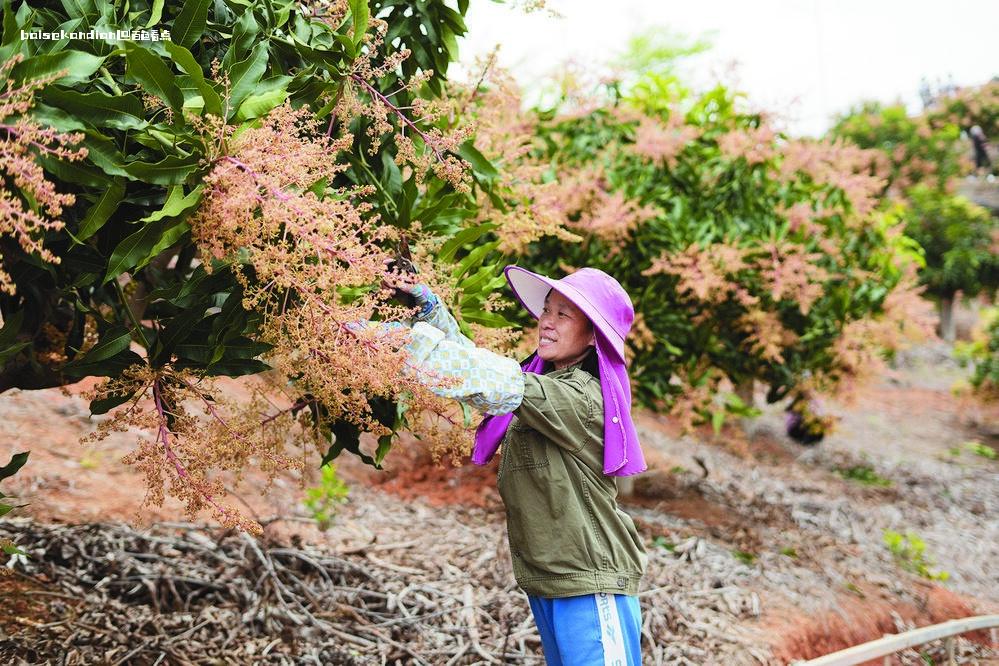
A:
(745, 390)
(946, 328)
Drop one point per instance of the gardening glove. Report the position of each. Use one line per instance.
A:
(434, 312)
(491, 383)
(425, 299)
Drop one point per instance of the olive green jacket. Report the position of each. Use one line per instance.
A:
(567, 535)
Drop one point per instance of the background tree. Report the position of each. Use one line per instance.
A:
(925, 155)
(749, 256)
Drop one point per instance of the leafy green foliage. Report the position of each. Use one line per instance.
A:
(17, 461)
(956, 237)
(983, 352)
(915, 150)
(865, 475)
(322, 500)
(910, 552)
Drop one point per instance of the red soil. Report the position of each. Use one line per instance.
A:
(859, 619)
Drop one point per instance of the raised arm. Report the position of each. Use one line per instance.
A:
(491, 383)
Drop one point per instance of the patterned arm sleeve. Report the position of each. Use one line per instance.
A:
(491, 383)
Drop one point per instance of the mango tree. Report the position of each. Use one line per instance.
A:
(222, 203)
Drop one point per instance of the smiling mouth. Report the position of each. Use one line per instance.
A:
(545, 341)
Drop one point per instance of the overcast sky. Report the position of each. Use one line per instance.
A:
(807, 58)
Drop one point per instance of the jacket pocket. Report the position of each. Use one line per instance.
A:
(527, 447)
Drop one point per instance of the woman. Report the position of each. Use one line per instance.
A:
(564, 420)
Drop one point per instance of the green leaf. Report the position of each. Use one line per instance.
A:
(114, 341)
(16, 462)
(270, 93)
(190, 22)
(152, 73)
(246, 75)
(359, 12)
(474, 258)
(186, 62)
(79, 65)
(102, 209)
(98, 108)
(244, 33)
(462, 238)
(241, 348)
(11, 549)
(11, 327)
(347, 438)
(133, 249)
(7, 508)
(104, 152)
(170, 236)
(10, 24)
(236, 368)
(491, 319)
(111, 367)
(177, 204)
(104, 405)
(170, 170)
(74, 172)
(179, 328)
(155, 14)
(717, 419)
(479, 163)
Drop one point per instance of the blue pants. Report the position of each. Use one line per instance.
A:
(600, 629)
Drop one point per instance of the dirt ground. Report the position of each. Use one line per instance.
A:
(760, 550)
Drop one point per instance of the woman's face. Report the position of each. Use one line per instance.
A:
(565, 334)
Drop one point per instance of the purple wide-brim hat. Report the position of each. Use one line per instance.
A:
(607, 305)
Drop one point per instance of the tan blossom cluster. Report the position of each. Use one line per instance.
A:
(860, 173)
(969, 105)
(766, 334)
(640, 338)
(304, 250)
(906, 318)
(756, 145)
(189, 455)
(663, 143)
(154, 103)
(21, 140)
(698, 386)
(788, 272)
(589, 206)
(330, 12)
(703, 272)
(267, 203)
(506, 137)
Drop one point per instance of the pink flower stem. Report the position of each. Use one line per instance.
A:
(164, 436)
(15, 132)
(222, 421)
(297, 405)
(402, 117)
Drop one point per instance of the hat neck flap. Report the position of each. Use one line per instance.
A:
(622, 452)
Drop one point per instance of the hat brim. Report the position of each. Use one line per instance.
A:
(531, 290)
